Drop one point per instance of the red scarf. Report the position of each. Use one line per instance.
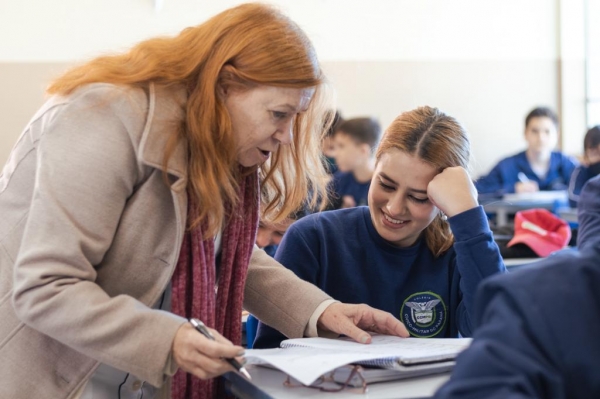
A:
(194, 279)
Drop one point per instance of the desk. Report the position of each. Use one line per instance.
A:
(271, 383)
(510, 204)
(511, 262)
(568, 214)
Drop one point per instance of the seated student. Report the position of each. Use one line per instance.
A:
(539, 167)
(591, 157)
(268, 235)
(418, 250)
(355, 141)
(537, 329)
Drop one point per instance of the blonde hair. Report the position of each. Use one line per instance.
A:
(240, 48)
(437, 139)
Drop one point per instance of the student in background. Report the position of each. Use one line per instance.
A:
(269, 235)
(539, 167)
(421, 247)
(355, 141)
(591, 167)
(537, 329)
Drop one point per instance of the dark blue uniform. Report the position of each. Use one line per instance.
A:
(503, 177)
(538, 329)
(580, 176)
(344, 183)
(342, 253)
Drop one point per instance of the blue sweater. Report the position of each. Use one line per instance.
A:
(537, 329)
(341, 252)
(504, 176)
(580, 176)
(344, 183)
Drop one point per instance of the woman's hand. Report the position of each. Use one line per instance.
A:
(452, 191)
(196, 354)
(352, 320)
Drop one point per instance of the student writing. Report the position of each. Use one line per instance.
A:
(539, 167)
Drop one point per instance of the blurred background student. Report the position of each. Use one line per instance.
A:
(539, 167)
(328, 146)
(354, 142)
(590, 167)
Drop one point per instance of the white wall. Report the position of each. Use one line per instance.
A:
(485, 61)
(67, 30)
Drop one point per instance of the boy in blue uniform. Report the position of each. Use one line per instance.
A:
(583, 173)
(418, 250)
(537, 329)
(355, 141)
(539, 168)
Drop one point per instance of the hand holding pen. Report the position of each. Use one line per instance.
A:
(525, 185)
(202, 329)
(200, 356)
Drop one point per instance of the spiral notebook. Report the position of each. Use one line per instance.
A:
(306, 359)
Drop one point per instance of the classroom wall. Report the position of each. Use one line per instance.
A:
(485, 62)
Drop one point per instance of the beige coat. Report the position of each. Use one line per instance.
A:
(89, 238)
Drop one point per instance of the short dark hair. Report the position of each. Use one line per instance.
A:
(362, 130)
(540, 112)
(592, 138)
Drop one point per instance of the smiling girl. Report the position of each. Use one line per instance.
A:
(421, 247)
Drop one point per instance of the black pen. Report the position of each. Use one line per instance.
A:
(201, 327)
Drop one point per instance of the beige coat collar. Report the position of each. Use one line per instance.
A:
(166, 113)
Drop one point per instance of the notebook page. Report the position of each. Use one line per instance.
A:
(390, 349)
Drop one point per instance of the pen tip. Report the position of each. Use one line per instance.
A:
(245, 373)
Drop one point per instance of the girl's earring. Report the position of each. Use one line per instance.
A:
(443, 216)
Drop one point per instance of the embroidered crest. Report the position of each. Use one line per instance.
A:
(424, 314)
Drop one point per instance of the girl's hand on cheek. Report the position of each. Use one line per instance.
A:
(452, 191)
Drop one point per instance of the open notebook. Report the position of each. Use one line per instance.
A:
(306, 359)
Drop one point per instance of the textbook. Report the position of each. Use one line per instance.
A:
(306, 359)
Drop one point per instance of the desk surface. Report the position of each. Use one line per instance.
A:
(271, 382)
(512, 203)
(510, 262)
(568, 214)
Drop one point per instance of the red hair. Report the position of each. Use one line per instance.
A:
(242, 47)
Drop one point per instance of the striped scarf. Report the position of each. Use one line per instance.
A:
(194, 281)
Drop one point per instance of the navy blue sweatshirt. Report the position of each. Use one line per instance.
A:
(580, 176)
(538, 329)
(342, 253)
(344, 183)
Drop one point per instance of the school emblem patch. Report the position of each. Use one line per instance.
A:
(424, 314)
